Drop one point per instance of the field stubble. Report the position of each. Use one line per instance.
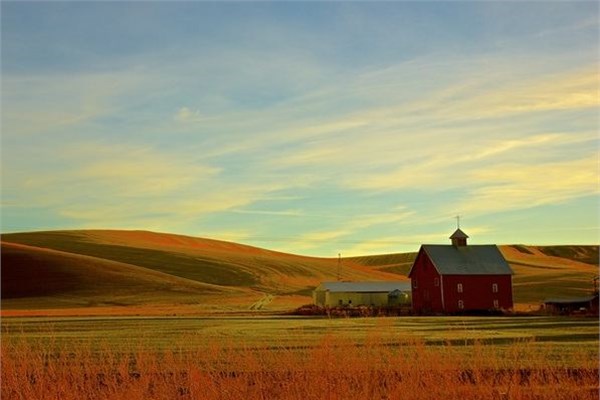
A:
(336, 366)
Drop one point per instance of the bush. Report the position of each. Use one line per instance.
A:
(358, 311)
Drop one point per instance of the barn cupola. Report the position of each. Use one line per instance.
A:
(459, 238)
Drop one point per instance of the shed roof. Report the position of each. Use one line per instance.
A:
(573, 300)
(467, 260)
(386, 286)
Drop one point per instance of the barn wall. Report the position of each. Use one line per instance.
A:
(426, 296)
(477, 292)
(357, 298)
(319, 297)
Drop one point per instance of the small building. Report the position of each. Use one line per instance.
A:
(566, 306)
(378, 294)
(459, 277)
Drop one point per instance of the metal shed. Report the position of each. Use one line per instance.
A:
(585, 304)
(378, 294)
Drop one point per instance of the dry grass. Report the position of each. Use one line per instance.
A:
(336, 368)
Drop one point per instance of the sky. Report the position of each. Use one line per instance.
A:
(315, 128)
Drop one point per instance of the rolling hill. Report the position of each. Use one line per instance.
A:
(135, 268)
(551, 271)
(238, 274)
(32, 276)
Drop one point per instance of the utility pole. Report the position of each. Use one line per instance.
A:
(339, 266)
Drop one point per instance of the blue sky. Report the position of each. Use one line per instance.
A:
(309, 127)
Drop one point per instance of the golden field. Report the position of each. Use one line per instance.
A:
(142, 315)
(262, 357)
(334, 368)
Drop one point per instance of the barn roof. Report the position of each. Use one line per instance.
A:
(364, 286)
(467, 260)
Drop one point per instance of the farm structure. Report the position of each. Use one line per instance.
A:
(588, 304)
(457, 278)
(378, 294)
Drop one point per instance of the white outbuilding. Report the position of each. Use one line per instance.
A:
(378, 294)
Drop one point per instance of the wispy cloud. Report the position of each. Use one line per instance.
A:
(145, 173)
(186, 115)
(516, 186)
(574, 90)
(348, 227)
(120, 170)
(129, 187)
(391, 244)
(223, 123)
(59, 102)
(451, 164)
(585, 23)
(287, 213)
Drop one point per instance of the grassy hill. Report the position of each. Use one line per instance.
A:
(32, 275)
(398, 263)
(551, 271)
(232, 267)
(110, 267)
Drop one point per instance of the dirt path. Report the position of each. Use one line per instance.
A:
(262, 302)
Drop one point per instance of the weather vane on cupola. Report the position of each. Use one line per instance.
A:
(459, 238)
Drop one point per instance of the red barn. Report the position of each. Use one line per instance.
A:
(456, 278)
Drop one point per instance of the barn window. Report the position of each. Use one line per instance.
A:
(459, 288)
(436, 282)
(496, 304)
(415, 283)
(461, 304)
(494, 288)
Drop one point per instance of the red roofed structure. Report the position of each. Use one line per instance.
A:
(457, 278)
